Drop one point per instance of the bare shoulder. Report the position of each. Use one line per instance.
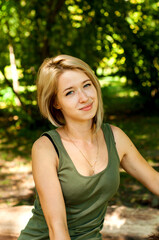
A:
(118, 132)
(43, 150)
(42, 143)
(123, 142)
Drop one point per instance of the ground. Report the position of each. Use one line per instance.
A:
(16, 183)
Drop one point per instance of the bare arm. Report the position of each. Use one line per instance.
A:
(133, 163)
(44, 165)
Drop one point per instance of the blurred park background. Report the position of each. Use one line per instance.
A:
(119, 39)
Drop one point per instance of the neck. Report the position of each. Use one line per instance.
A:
(81, 131)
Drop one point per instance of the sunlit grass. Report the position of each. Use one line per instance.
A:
(115, 87)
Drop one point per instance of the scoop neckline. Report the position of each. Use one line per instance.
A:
(74, 167)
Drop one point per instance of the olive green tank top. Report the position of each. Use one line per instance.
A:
(86, 197)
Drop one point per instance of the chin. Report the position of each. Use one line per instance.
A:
(90, 116)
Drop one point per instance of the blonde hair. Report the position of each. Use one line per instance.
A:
(47, 86)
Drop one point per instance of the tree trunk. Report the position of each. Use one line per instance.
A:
(14, 74)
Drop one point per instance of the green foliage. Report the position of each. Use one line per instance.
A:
(116, 38)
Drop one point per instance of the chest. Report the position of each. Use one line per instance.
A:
(88, 159)
(78, 189)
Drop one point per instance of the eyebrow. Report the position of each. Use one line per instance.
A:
(66, 89)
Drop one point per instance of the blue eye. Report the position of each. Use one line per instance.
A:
(87, 85)
(69, 93)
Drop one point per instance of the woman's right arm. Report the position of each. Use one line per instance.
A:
(44, 165)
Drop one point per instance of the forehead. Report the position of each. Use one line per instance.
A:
(70, 78)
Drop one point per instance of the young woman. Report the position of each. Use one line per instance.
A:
(76, 166)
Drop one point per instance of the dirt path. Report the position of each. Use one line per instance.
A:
(16, 182)
(17, 186)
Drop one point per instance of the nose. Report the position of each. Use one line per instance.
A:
(82, 96)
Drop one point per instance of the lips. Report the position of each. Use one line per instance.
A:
(87, 107)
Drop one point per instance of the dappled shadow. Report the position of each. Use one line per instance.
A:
(16, 184)
(135, 223)
(13, 220)
(132, 193)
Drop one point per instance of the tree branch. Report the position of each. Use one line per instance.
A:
(11, 86)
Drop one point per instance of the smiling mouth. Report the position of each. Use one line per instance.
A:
(87, 108)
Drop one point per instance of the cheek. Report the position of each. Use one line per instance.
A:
(67, 104)
(91, 91)
(94, 93)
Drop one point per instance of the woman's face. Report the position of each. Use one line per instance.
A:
(77, 97)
